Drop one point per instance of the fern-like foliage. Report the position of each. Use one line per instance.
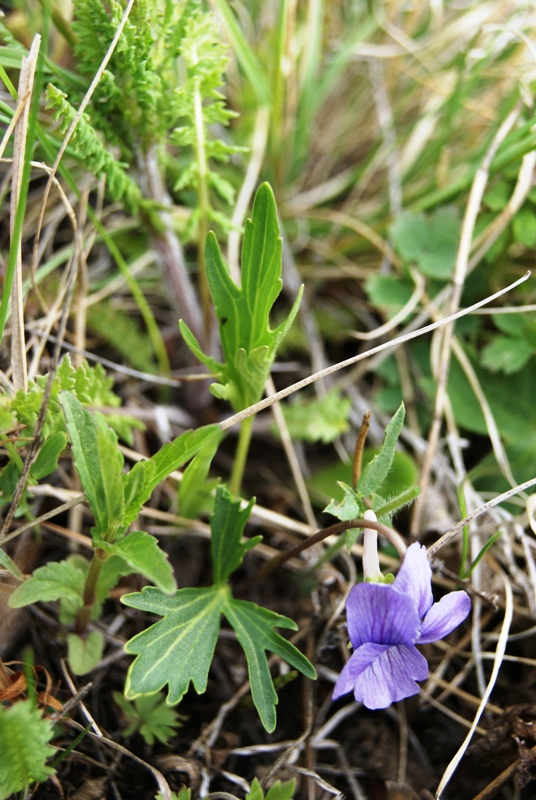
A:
(122, 330)
(127, 104)
(89, 148)
(90, 385)
(160, 92)
(24, 744)
(201, 106)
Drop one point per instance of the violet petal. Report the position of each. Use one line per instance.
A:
(444, 616)
(415, 578)
(377, 613)
(380, 675)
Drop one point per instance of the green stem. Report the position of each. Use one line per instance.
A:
(90, 590)
(244, 438)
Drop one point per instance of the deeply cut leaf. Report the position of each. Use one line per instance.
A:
(227, 526)
(177, 649)
(254, 628)
(150, 716)
(249, 345)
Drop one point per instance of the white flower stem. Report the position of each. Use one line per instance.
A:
(371, 562)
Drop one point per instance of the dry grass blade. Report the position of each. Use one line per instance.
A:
(499, 653)
(460, 272)
(18, 348)
(295, 387)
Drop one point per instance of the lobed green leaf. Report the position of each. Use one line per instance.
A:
(254, 628)
(227, 527)
(249, 344)
(54, 581)
(178, 649)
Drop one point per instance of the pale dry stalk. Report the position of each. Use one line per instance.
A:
(18, 346)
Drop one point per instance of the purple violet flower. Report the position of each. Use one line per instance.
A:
(385, 622)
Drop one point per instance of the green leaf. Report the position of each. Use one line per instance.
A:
(195, 489)
(350, 507)
(512, 324)
(318, 419)
(24, 744)
(254, 628)
(506, 354)
(98, 461)
(55, 581)
(376, 471)
(145, 476)
(8, 564)
(47, 461)
(388, 292)
(84, 652)
(148, 715)
(278, 791)
(142, 552)
(227, 526)
(177, 649)
(243, 313)
(183, 794)
(429, 241)
(524, 227)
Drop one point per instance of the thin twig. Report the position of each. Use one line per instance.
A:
(295, 387)
(501, 498)
(460, 272)
(501, 647)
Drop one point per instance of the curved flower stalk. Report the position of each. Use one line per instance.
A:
(385, 622)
